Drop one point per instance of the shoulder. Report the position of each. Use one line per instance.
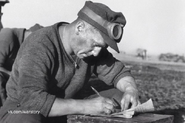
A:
(6, 32)
(11, 33)
(42, 40)
(7, 37)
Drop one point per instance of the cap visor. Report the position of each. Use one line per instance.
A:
(110, 42)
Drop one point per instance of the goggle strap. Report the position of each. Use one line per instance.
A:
(105, 26)
(96, 18)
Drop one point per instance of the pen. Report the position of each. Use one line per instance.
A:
(100, 95)
(96, 91)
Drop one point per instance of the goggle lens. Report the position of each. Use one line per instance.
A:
(117, 31)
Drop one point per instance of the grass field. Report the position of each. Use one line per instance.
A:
(164, 82)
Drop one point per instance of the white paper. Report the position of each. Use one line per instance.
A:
(142, 108)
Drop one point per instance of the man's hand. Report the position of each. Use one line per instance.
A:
(99, 105)
(130, 97)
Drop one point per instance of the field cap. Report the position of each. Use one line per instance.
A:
(35, 27)
(109, 23)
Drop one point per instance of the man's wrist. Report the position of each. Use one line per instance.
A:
(80, 106)
(126, 84)
(131, 89)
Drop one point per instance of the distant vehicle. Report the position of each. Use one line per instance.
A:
(170, 57)
(142, 53)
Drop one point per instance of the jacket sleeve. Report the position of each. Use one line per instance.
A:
(35, 64)
(109, 69)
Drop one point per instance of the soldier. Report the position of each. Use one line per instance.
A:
(54, 63)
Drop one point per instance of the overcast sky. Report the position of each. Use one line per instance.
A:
(155, 25)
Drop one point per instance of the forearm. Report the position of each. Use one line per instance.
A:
(99, 105)
(66, 106)
(130, 95)
(126, 84)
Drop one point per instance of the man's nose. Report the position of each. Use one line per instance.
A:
(96, 51)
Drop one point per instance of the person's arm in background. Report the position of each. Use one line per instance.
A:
(5, 35)
(7, 41)
(7, 38)
(128, 86)
(4, 75)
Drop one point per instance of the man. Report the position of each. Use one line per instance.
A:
(53, 64)
(10, 41)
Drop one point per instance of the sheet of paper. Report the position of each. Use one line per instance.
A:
(142, 108)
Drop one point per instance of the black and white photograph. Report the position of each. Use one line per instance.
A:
(92, 61)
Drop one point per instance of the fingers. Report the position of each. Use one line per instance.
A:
(135, 103)
(129, 102)
(107, 111)
(103, 105)
(124, 104)
(110, 102)
(99, 105)
(108, 106)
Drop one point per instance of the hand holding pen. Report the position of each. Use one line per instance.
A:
(114, 101)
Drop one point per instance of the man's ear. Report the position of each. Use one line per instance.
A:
(80, 26)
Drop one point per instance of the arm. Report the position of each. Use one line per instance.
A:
(9, 44)
(128, 86)
(94, 106)
(113, 71)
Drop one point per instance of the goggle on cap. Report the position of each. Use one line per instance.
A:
(109, 23)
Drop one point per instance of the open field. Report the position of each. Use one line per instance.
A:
(162, 81)
(150, 61)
